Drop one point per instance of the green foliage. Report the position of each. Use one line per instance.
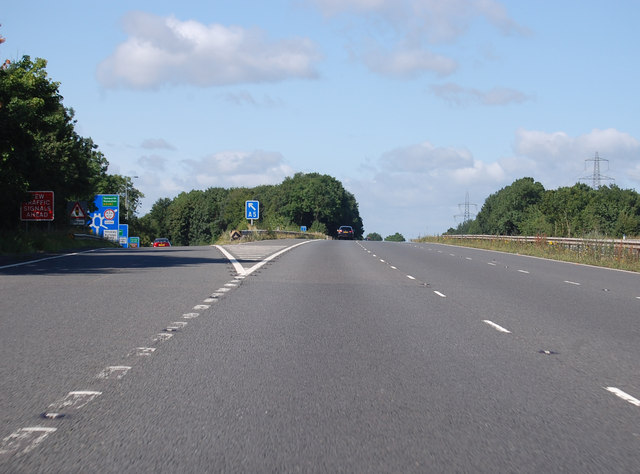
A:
(374, 236)
(525, 208)
(504, 212)
(397, 237)
(308, 198)
(39, 148)
(316, 201)
(123, 186)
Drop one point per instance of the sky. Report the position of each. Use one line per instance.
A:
(412, 104)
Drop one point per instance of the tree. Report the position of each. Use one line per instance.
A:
(199, 217)
(504, 212)
(397, 237)
(308, 198)
(374, 236)
(39, 148)
(123, 186)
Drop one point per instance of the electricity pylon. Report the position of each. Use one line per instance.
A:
(466, 213)
(596, 177)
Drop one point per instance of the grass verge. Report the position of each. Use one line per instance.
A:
(21, 244)
(609, 256)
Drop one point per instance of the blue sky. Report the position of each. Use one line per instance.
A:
(410, 103)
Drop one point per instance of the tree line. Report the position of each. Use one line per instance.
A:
(41, 150)
(526, 208)
(318, 202)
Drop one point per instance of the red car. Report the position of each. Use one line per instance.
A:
(161, 242)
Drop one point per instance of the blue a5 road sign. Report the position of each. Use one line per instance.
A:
(252, 209)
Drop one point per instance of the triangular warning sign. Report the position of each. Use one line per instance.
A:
(77, 211)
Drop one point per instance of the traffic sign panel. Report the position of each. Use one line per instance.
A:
(252, 209)
(39, 207)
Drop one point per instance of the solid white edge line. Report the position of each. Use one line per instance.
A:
(239, 269)
(44, 259)
(625, 396)
(277, 254)
(496, 326)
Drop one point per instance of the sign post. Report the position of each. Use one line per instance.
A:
(252, 210)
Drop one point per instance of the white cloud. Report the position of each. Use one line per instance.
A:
(165, 50)
(157, 143)
(560, 158)
(407, 62)
(414, 27)
(460, 96)
(246, 98)
(239, 169)
(416, 189)
(425, 158)
(152, 162)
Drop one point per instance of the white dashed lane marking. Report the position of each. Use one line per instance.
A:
(114, 372)
(22, 441)
(74, 400)
(162, 337)
(572, 283)
(441, 295)
(144, 351)
(625, 396)
(496, 326)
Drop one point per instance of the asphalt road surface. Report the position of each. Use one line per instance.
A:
(318, 356)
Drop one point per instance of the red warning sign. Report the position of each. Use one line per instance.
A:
(38, 208)
(77, 211)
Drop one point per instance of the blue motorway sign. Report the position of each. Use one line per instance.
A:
(252, 209)
(105, 220)
(123, 235)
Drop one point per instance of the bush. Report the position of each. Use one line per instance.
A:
(397, 237)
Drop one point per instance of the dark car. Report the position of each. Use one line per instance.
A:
(345, 232)
(161, 242)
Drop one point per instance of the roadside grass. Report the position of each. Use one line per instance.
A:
(605, 255)
(21, 244)
(225, 238)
